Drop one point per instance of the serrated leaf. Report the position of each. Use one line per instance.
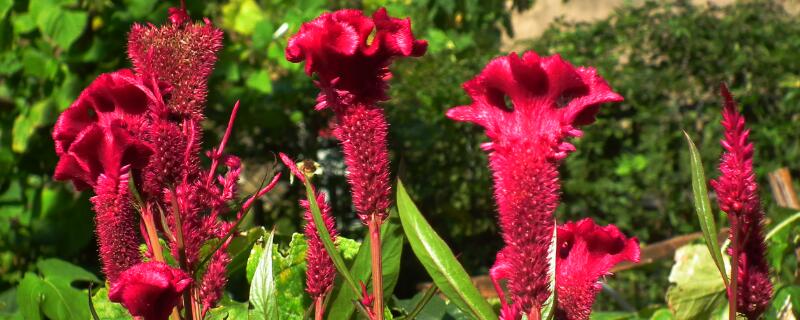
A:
(262, 288)
(702, 206)
(697, 291)
(439, 261)
(62, 26)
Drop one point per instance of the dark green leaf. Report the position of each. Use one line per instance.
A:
(439, 261)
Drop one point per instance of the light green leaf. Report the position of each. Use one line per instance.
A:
(23, 23)
(662, 314)
(262, 288)
(290, 272)
(38, 64)
(30, 296)
(439, 261)
(241, 16)
(106, 309)
(549, 310)
(62, 26)
(260, 81)
(228, 309)
(5, 5)
(697, 291)
(702, 206)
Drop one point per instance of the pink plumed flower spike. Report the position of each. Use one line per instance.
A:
(529, 106)
(586, 252)
(320, 271)
(737, 195)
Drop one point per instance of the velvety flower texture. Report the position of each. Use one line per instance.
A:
(737, 194)
(548, 100)
(352, 74)
(320, 271)
(150, 289)
(586, 252)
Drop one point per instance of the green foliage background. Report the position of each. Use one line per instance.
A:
(630, 169)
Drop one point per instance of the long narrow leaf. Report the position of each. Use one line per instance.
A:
(341, 305)
(437, 258)
(262, 288)
(325, 236)
(703, 207)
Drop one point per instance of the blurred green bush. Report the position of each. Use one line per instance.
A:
(630, 168)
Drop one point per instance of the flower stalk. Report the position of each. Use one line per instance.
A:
(377, 267)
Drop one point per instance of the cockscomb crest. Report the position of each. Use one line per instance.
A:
(351, 67)
(549, 100)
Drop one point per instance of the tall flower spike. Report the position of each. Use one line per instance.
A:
(549, 100)
(320, 271)
(180, 53)
(352, 75)
(737, 194)
(586, 252)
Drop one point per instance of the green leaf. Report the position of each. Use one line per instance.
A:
(53, 293)
(253, 260)
(325, 236)
(30, 296)
(702, 206)
(5, 5)
(241, 16)
(262, 288)
(439, 261)
(662, 314)
(260, 81)
(697, 292)
(613, 315)
(549, 310)
(62, 26)
(341, 305)
(106, 309)
(228, 309)
(290, 275)
(38, 64)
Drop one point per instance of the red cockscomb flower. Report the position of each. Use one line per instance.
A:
(586, 252)
(549, 100)
(320, 271)
(352, 74)
(150, 289)
(737, 194)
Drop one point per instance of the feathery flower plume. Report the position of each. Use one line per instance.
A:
(150, 289)
(586, 252)
(737, 194)
(549, 100)
(352, 75)
(146, 125)
(320, 271)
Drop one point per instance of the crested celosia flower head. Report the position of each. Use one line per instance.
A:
(350, 67)
(320, 271)
(352, 73)
(585, 252)
(98, 133)
(180, 53)
(150, 289)
(548, 100)
(737, 194)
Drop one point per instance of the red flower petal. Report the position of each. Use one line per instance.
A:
(150, 289)
(585, 253)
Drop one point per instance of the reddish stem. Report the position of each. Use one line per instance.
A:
(377, 268)
(188, 304)
(218, 152)
(733, 290)
(535, 314)
(319, 307)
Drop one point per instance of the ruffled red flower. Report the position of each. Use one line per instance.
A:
(320, 271)
(352, 73)
(737, 194)
(585, 253)
(150, 289)
(350, 69)
(548, 100)
(98, 133)
(181, 54)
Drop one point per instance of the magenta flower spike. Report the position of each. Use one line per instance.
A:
(150, 289)
(320, 271)
(585, 253)
(737, 195)
(352, 75)
(549, 100)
